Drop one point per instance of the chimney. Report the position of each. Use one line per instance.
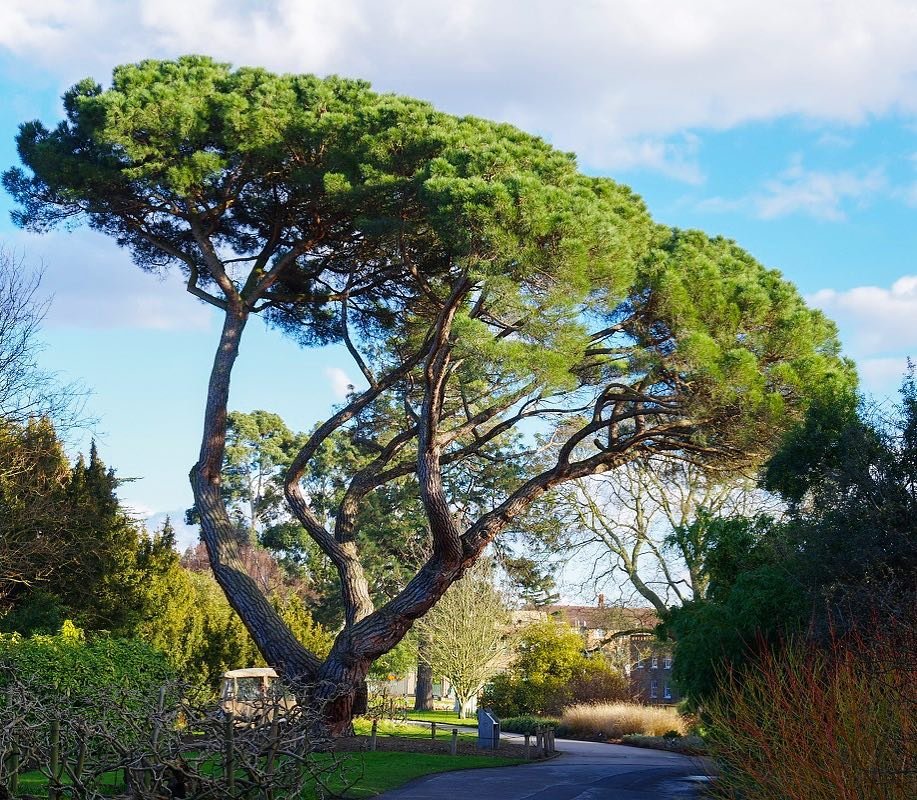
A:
(601, 601)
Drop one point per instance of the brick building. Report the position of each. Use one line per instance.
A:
(625, 636)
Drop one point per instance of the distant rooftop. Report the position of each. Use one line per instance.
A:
(606, 618)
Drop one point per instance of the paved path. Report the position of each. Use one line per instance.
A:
(584, 771)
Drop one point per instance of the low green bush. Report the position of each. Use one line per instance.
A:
(551, 672)
(74, 664)
(527, 723)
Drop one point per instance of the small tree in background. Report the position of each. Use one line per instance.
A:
(466, 635)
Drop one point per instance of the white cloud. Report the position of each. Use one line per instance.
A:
(617, 82)
(341, 384)
(907, 194)
(93, 284)
(813, 193)
(817, 194)
(879, 326)
(834, 141)
(877, 320)
(886, 373)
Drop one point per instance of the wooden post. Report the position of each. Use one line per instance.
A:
(271, 755)
(12, 767)
(54, 762)
(528, 746)
(372, 736)
(453, 745)
(495, 736)
(433, 730)
(229, 755)
(539, 741)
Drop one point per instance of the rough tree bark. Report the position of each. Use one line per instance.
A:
(423, 690)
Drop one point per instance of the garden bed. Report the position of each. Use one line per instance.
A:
(398, 744)
(686, 745)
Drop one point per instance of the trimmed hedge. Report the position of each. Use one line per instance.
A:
(527, 723)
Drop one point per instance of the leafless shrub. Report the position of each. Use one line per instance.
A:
(172, 746)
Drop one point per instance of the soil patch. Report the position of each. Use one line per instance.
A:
(397, 744)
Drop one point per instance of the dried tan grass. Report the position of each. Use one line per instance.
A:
(615, 720)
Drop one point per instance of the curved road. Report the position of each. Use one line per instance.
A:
(583, 771)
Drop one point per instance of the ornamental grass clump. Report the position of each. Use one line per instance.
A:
(810, 723)
(614, 720)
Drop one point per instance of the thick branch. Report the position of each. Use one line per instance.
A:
(445, 531)
(355, 590)
(270, 633)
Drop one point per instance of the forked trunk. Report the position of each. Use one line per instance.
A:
(465, 706)
(339, 691)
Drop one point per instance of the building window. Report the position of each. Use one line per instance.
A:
(654, 690)
(667, 662)
(667, 691)
(640, 664)
(655, 662)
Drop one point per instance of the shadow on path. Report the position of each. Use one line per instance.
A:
(583, 771)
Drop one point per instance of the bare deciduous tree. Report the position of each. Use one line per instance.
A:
(623, 523)
(467, 635)
(26, 390)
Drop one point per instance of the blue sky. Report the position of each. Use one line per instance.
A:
(790, 129)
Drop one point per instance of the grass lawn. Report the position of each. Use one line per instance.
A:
(34, 783)
(363, 727)
(446, 717)
(366, 774)
(383, 771)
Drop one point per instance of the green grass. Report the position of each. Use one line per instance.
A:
(446, 717)
(364, 774)
(363, 727)
(384, 771)
(35, 783)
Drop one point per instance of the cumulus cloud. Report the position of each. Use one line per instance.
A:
(876, 319)
(617, 82)
(341, 384)
(879, 326)
(797, 190)
(93, 284)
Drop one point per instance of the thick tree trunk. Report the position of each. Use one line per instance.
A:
(423, 691)
(272, 636)
(338, 692)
